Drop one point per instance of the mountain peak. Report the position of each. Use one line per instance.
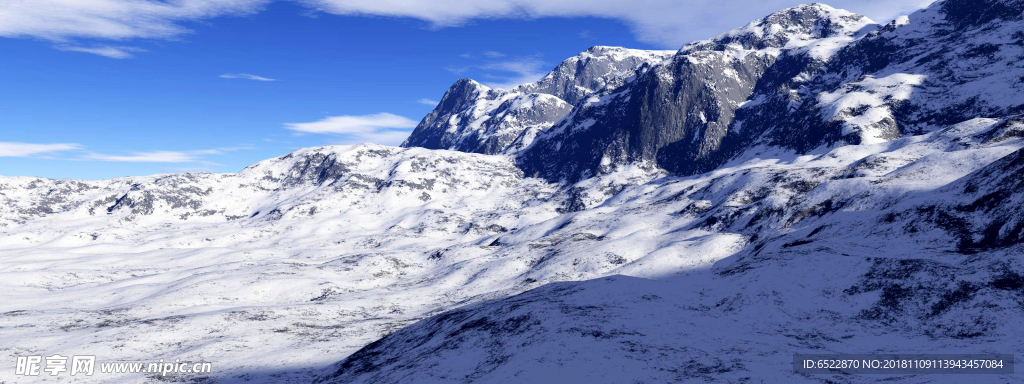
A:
(789, 28)
(472, 117)
(469, 84)
(592, 70)
(809, 15)
(612, 51)
(604, 48)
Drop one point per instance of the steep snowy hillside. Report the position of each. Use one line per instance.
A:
(860, 197)
(954, 61)
(800, 79)
(472, 117)
(903, 221)
(679, 114)
(898, 247)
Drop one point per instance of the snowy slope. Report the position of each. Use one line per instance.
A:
(682, 114)
(373, 256)
(293, 252)
(802, 78)
(950, 62)
(901, 247)
(808, 182)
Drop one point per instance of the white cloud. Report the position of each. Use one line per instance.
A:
(60, 20)
(195, 156)
(221, 150)
(148, 157)
(15, 149)
(515, 72)
(507, 73)
(456, 70)
(381, 128)
(669, 23)
(113, 52)
(245, 76)
(426, 101)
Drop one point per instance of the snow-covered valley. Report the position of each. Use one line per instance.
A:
(356, 251)
(808, 195)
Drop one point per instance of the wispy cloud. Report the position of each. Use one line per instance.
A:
(113, 52)
(521, 65)
(245, 76)
(381, 128)
(668, 23)
(456, 70)
(221, 150)
(195, 156)
(507, 72)
(15, 149)
(515, 72)
(426, 101)
(63, 20)
(148, 157)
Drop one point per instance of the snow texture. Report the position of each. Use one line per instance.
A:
(811, 182)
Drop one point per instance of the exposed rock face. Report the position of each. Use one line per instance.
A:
(877, 248)
(592, 71)
(872, 174)
(475, 118)
(472, 117)
(803, 78)
(679, 113)
(948, 63)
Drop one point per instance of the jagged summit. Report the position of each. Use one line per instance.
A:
(472, 117)
(680, 114)
(801, 79)
(597, 68)
(794, 27)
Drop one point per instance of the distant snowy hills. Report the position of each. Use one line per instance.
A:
(810, 182)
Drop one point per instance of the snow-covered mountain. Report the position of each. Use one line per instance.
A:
(472, 117)
(801, 78)
(903, 246)
(811, 182)
(682, 114)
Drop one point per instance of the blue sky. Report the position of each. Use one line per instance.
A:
(108, 88)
